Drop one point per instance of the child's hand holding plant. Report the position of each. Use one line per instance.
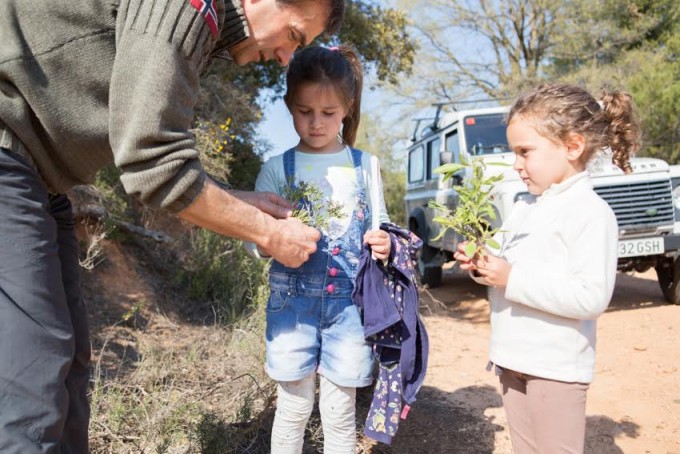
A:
(486, 269)
(472, 220)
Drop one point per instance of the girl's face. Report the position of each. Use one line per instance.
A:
(540, 161)
(317, 115)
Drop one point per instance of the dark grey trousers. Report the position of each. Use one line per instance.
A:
(44, 338)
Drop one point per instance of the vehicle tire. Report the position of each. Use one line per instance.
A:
(429, 267)
(668, 273)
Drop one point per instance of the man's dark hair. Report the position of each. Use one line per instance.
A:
(335, 14)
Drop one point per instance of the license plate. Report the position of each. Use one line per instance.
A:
(641, 246)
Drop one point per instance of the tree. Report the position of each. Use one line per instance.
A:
(631, 45)
(496, 48)
(480, 47)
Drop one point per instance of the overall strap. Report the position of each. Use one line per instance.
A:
(356, 157)
(361, 182)
(289, 165)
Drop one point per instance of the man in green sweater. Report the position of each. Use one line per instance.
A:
(84, 83)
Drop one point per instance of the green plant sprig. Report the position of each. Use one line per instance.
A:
(472, 217)
(310, 204)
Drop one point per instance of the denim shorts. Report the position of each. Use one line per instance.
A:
(311, 329)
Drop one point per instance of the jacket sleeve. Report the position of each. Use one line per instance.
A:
(160, 50)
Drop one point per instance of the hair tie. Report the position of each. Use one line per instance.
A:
(334, 48)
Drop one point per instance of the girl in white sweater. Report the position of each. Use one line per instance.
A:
(556, 269)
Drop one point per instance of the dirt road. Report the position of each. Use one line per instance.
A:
(633, 404)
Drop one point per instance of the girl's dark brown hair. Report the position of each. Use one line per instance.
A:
(561, 110)
(339, 68)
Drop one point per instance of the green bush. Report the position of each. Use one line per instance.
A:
(219, 273)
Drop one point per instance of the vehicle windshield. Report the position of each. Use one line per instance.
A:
(485, 134)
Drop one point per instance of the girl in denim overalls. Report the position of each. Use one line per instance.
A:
(312, 324)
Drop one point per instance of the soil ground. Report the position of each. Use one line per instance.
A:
(633, 404)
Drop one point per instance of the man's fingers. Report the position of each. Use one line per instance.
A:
(295, 242)
(275, 207)
(278, 200)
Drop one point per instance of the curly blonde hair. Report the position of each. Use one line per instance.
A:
(563, 109)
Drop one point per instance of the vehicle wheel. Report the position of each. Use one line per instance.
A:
(668, 273)
(429, 267)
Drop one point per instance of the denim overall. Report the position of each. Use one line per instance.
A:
(312, 323)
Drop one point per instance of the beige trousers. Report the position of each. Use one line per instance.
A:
(545, 416)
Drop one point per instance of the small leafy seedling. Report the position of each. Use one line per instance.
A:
(310, 205)
(472, 217)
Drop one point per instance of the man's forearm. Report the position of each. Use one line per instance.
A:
(222, 212)
(287, 240)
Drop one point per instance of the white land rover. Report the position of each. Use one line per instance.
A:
(646, 202)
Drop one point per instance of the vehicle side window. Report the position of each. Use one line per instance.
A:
(432, 158)
(453, 145)
(416, 165)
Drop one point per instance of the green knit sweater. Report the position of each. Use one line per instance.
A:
(87, 82)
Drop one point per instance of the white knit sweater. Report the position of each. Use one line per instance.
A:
(563, 251)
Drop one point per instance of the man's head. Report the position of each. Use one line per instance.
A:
(279, 27)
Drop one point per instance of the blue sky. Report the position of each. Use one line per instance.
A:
(277, 127)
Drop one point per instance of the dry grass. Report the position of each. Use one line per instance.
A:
(173, 388)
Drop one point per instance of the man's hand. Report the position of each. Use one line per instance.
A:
(226, 212)
(268, 202)
(292, 242)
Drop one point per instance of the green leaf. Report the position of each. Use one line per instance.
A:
(493, 244)
(449, 168)
(470, 249)
(442, 220)
(437, 206)
(499, 164)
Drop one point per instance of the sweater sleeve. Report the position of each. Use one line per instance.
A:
(160, 50)
(585, 289)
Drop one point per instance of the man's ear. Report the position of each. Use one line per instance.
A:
(576, 145)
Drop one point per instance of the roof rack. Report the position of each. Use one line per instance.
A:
(418, 121)
(439, 105)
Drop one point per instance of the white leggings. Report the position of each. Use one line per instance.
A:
(294, 405)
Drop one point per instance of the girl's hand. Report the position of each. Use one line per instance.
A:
(380, 243)
(494, 269)
(465, 262)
